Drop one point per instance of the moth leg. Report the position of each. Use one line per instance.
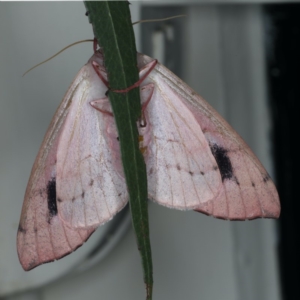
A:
(148, 67)
(99, 103)
(98, 70)
(146, 95)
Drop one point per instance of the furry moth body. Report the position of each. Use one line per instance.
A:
(195, 161)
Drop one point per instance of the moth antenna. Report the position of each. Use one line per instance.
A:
(65, 48)
(158, 20)
(83, 41)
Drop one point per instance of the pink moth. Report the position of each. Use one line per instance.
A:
(194, 159)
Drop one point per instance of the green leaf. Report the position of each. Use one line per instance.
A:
(113, 29)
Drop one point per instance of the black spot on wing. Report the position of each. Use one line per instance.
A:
(223, 162)
(51, 198)
(21, 229)
(266, 178)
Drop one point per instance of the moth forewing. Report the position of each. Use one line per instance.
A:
(42, 235)
(246, 191)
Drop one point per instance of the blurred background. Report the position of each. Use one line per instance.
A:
(243, 58)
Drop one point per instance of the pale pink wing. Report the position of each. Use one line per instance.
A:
(195, 160)
(90, 188)
(42, 236)
(70, 159)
